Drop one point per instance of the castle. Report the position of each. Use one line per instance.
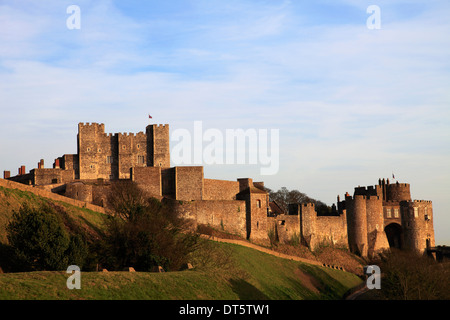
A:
(374, 218)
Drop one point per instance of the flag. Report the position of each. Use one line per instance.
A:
(393, 177)
(149, 116)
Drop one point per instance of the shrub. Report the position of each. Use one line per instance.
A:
(38, 238)
(149, 235)
(410, 276)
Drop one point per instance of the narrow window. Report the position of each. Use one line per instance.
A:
(416, 212)
(258, 203)
(396, 213)
(109, 159)
(141, 159)
(388, 213)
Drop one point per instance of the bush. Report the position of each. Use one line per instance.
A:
(147, 236)
(38, 238)
(40, 241)
(410, 276)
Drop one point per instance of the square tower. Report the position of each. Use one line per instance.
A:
(158, 146)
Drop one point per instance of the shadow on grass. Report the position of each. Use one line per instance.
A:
(330, 288)
(246, 291)
(8, 259)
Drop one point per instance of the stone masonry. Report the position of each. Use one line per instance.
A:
(375, 218)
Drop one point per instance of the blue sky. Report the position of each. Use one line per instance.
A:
(352, 104)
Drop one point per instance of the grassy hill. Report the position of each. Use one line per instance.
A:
(12, 199)
(252, 275)
(221, 271)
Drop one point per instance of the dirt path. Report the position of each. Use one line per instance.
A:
(262, 249)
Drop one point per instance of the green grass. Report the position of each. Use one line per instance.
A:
(236, 272)
(265, 277)
(12, 199)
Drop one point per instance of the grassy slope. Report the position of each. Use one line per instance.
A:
(267, 277)
(253, 274)
(12, 199)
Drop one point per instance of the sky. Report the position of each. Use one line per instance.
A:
(351, 103)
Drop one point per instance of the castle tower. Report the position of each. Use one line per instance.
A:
(308, 217)
(257, 203)
(158, 146)
(90, 150)
(417, 222)
(132, 152)
(376, 237)
(398, 192)
(357, 224)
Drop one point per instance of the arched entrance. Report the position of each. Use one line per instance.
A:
(394, 235)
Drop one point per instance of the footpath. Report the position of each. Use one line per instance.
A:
(271, 252)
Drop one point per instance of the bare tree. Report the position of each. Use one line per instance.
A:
(284, 197)
(126, 199)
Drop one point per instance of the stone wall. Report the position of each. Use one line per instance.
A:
(52, 176)
(332, 230)
(220, 189)
(226, 215)
(287, 227)
(168, 182)
(148, 179)
(79, 191)
(189, 183)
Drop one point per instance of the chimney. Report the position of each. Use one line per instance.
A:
(6, 174)
(245, 183)
(21, 170)
(56, 164)
(41, 164)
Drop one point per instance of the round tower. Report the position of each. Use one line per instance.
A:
(374, 213)
(357, 224)
(417, 222)
(398, 192)
(376, 237)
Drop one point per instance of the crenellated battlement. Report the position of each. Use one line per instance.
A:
(421, 201)
(108, 135)
(403, 185)
(90, 125)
